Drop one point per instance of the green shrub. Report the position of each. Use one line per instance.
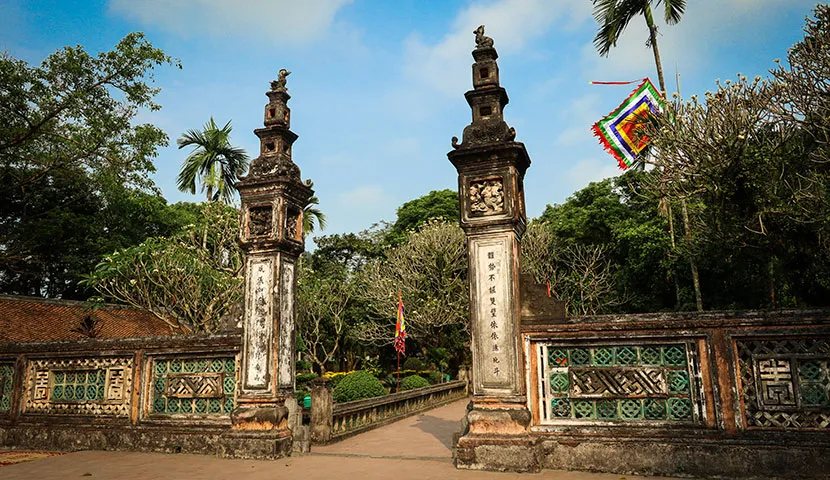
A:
(431, 376)
(305, 377)
(413, 381)
(300, 396)
(357, 386)
(413, 363)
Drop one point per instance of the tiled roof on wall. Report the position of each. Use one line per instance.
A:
(30, 319)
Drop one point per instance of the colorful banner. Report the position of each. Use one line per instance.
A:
(618, 131)
(400, 328)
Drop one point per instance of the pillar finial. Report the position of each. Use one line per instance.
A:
(487, 99)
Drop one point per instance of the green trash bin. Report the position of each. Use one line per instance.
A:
(307, 401)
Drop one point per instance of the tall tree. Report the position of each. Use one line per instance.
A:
(615, 15)
(190, 279)
(214, 162)
(74, 166)
(430, 270)
(438, 204)
(76, 111)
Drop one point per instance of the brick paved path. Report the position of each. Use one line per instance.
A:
(418, 447)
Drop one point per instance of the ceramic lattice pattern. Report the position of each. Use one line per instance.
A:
(785, 383)
(193, 386)
(79, 386)
(616, 383)
(6, 379)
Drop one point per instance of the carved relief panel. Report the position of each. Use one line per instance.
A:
(291, 231)
(260, 221)
(486, 197)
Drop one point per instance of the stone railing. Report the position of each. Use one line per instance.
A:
(335, 421)
(668, 394)
(157, 393)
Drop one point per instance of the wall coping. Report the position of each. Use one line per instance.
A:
(230, 340)
(670, 320)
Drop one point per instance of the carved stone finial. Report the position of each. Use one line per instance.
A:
(482, 41)
(278, 85)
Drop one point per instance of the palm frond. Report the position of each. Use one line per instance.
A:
(673, 10)
(214, 162)
(613, 17)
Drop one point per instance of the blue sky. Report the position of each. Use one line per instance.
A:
(378, 86)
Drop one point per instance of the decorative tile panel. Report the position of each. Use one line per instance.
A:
(785, 383)
(616, 383)
(79, 386)
(6, 384)
(193, 386)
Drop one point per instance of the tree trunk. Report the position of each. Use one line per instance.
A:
(652, 37)
(672, 251)
(695, 277)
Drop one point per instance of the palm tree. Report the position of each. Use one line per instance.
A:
(614, 15)
(214, 162)
(313, 216)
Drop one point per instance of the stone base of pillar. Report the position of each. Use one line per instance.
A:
(256, 444)
(497, 439)
(260, 417)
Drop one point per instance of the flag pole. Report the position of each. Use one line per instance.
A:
(398, 386)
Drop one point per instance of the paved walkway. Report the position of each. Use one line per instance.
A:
(418, 447)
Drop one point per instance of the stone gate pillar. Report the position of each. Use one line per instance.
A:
(273, 198)
(491, 168)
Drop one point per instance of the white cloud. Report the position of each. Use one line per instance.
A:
(284, 20)
(511, 23)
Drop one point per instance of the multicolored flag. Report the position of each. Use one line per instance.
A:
(618, 131)
(400, 328)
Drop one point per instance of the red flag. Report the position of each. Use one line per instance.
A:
(400, 328)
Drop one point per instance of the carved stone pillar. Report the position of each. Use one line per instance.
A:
(491, 168)
(273, 198)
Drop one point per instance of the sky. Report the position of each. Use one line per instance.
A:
(378, 86)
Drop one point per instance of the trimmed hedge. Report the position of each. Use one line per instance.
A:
(413, 381)
(413, 363)
(357, 386)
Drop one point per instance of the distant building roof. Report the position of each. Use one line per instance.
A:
(31, 319)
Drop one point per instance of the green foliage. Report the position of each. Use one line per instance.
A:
(190, 279)
(439, 357)
(437, 204)
(430, 270)
(413, 363)
(214, 162)
(305, 377)
(323, 299)
(75, 166)
(412, 382)
(750, 160)
(431, 376)
(604, 249)
(357, 386)
(313, 217)
(76, 111)
(302, 365)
